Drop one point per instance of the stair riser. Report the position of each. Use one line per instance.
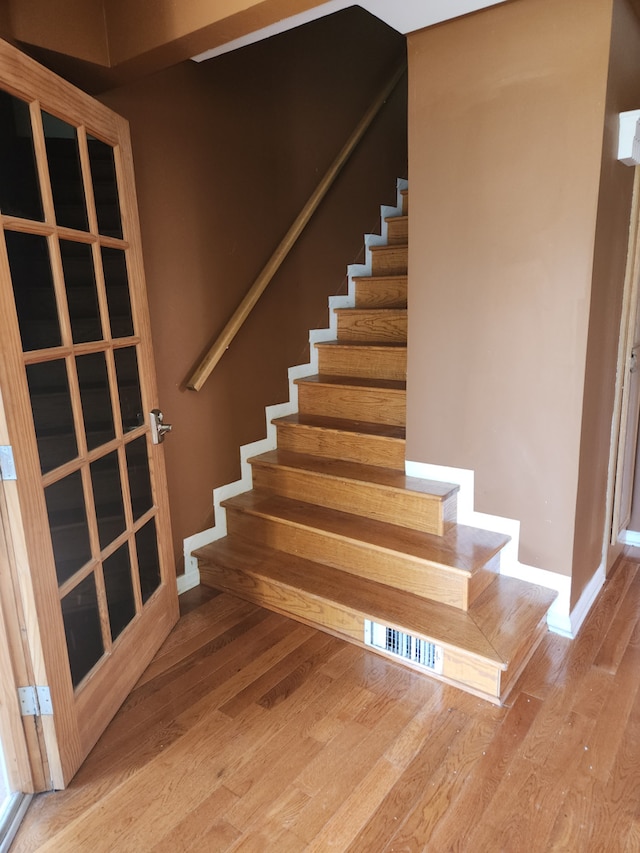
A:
(405, 509)
(377, 406)
(350, 447)
(391, 568)
(389, 260)
(387, 324)
(397, 231)
(389, 292)
(459, 669)
(388, 363)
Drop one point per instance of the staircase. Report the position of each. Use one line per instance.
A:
(334, 533)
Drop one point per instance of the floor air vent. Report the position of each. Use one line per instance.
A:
(401, 645)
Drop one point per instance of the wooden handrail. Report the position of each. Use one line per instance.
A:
(215, 353)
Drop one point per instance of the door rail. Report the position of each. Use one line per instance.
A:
(200, 375)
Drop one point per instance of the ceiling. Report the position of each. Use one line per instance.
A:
(404, 16)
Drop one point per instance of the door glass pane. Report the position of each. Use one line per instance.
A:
(105, 187)
(33, 290)
(82, 295)
(96, 399)
(139, 478)
(117, 285)
(148, 562)
(19, 186)
(52, 413)
(107, 495)
(65, 172)
(119, 588)
(82, 628)
(129, 388)
(68, 524)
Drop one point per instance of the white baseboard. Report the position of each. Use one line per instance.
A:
(191, 577)
(188, 580)
(630, 537)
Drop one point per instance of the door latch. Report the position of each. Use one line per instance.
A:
(158, 426)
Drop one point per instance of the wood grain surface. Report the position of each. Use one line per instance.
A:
(252, 732)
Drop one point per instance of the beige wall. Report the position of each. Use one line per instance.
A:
(616, 185)
(506, 112)
(226, 153)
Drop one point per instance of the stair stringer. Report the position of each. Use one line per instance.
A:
(191, 576)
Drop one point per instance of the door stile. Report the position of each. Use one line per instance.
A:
(24, 738)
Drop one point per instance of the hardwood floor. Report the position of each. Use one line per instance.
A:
(251, 732)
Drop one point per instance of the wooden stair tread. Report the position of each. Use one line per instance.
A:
(386, 477)
(390, 431)
(353, 382)
(401, 278)
(368, 310)
(462, 550)
(432, 621)
(388, 248)
(519, 603)
(383, 345)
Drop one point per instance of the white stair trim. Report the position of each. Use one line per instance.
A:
(561, 618)
(191, 576)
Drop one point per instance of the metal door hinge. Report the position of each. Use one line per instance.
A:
(35, 701)
(7, 466)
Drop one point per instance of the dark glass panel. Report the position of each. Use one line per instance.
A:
(68, 525)
(82, 295)
(107, 496)
(148, 562)
(129, 388)
(82, 628)
(105, 187)
(116, 283)
(63, 155)
(139, 478)
(96, 399)
(52, 413)
(33, 290)
(19, 186)
(119, 588)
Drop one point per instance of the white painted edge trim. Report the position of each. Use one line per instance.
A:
(191, 576)
(405, 17)
(560, 619)
(628, 141)
(629, 537)
(13, 817)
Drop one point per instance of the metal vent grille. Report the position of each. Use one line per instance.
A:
(395, 642)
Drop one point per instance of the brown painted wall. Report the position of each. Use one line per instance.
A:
(506, 111)
(616, 186)
(226, 154)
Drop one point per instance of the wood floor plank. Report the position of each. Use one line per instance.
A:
(349, 751)
(617, 637)
(203, 828)
(406, 791)
(485, 776)
(443, 788)
(345, 823)
(362, 756)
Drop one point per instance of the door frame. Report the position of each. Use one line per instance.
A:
(623, 418)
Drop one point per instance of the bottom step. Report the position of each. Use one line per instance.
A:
(482, 651)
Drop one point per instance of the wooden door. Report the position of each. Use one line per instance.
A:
(87, 512)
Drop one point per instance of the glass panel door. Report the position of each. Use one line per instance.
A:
(78, 382)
